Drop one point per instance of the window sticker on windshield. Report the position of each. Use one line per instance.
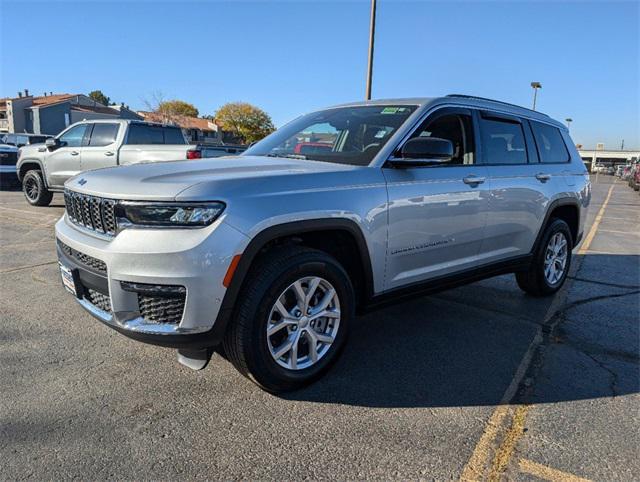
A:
(389, 110)
(380, 134)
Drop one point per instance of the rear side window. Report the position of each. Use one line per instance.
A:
(503, 142)
(103, 134)
(551, 146)
(150, 134)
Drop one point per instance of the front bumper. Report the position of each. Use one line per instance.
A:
(196, 259)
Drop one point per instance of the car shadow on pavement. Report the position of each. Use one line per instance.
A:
(453, 350)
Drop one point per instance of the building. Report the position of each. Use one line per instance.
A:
(51, 113)
(593, 157)
(197, 130)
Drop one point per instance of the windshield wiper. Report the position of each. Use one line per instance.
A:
(288, 156)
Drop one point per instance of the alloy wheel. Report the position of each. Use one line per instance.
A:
(31, 188)
(303, 323)
(555, 258)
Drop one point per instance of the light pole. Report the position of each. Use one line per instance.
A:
(569, 120)
(536, 86)
(372, 33)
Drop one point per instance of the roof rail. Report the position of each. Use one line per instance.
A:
(464, 96)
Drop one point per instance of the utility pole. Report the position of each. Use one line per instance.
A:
(372, 33)
(536, 86)
(622, 146)
(569, 120)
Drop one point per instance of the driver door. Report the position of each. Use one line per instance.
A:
(64, 161)
(437, 213)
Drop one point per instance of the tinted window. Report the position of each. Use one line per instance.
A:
(503, 142)
(149, 134)
(173, 135)
(103, 134)
(550, 144)
(10, 139)
(73, 137)
(37, 139)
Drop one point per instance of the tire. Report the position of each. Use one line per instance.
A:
(35, 190)
(536, 280)
(254, 353)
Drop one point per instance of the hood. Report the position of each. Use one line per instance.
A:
(165, 181)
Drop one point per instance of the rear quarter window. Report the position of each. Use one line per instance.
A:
(551, 146)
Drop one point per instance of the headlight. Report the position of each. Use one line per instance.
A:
(169, 214)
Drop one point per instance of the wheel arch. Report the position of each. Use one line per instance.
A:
(28, 165)
(567, 209)
(298, 232)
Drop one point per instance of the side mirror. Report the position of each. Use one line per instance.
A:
(52, 143)
(426, 150)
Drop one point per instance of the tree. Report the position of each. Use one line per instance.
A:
(246, 122)
(98, 96)
(171, 108)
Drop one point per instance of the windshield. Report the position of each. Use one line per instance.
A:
(344, 135)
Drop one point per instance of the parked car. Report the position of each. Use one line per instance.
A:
(9, 147)
(209, 150)
(272, 253)
(88, 145)
(634, 177)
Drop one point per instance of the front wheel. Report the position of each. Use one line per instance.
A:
(35, 190)
(292, 319)
(551, 261)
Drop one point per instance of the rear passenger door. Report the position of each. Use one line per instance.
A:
(101, 147)
(521, 187)
(437, 213)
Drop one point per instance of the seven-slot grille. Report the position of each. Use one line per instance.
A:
(91, 212)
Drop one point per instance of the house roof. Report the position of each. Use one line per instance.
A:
(52, 99)
(182, 121)
(96, 109)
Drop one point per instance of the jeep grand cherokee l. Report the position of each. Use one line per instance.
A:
(271, 254)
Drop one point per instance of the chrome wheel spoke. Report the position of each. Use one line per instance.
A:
(276, 327)
(299, 333)
(283, 349)
(335, 314)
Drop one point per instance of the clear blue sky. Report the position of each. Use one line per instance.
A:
(292, 57)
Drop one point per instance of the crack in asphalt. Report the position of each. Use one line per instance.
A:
(604, 283)
(549, 330)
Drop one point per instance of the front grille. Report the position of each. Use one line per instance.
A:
(161, 309)
(84, 259)
(98, 300)
(91, 212)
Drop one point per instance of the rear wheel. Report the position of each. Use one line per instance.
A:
(551, 262)
(292, 319)
(35, 190)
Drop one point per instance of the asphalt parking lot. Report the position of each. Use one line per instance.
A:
(481, 382)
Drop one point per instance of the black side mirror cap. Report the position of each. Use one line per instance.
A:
(428, 148)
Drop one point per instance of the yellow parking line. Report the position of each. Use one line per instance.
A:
(476, 467)
(547, 473)
(592, 232)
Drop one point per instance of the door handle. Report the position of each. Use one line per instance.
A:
(74, 153)
(473, 180)
(108, 153)
(542, 177)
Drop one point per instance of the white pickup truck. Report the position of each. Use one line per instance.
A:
(87, 145)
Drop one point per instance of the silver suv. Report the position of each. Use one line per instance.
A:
(270, 255)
